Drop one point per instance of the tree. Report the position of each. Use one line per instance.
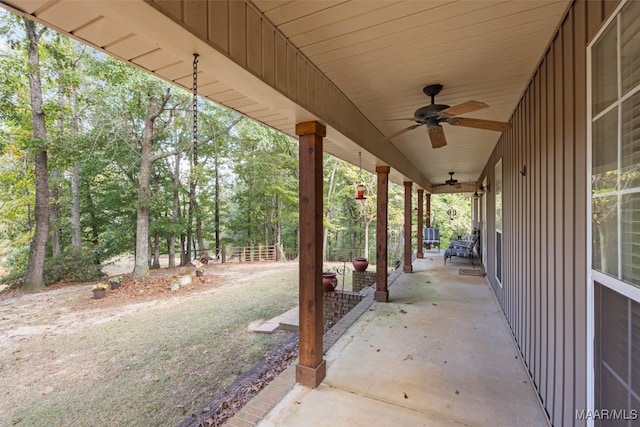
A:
(34, 275)
(155, 106)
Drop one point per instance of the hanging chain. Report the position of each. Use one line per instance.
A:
(195, 106)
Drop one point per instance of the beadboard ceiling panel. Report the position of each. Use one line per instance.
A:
(353, 65)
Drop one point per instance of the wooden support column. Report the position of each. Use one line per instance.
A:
(382, 234)
(408, 267)
(427, 219)
(311, 368)
(420, 254)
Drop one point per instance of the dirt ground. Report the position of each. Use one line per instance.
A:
(29, 323)
(67, 307)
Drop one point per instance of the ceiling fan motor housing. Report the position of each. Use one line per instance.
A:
(428, 112)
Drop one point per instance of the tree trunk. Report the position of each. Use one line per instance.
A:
(156, 250)
(155, 106)
(278, 229)
(141, 267)
(175, 210)
(34, 275)
(76, 236)
(216, 214)
(54, 213)
(76, 239)
(327, 213)
(93, 222)
(184, 259)
(156, 235)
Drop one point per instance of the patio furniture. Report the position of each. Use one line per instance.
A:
(463, 249)
(431, 236)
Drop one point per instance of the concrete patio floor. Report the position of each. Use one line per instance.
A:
(438, 354)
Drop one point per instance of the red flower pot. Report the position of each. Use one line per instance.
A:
(329, 281)
(360, 264)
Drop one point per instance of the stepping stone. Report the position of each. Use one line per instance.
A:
(262, 327)
(290, 321)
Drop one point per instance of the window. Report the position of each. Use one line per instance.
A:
(615, 148)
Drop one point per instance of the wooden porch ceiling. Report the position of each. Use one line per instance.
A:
(375, 56)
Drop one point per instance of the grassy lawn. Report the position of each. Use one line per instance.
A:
(152, 367)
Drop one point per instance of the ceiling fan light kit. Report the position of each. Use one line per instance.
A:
(432, 115)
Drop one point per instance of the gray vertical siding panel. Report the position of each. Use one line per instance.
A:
(512, 232)
(507, 250)
(551, 232)
(569, 179)
(558, 202)
(545, 292)
(530, 355)
(519, 226)
(537, 236)
(522, 233)
(509, 182)
(580, 203)
(544, 280)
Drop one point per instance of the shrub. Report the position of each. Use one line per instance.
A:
(72, 266)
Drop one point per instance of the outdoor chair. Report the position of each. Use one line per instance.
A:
(461, 248)
(431, 236)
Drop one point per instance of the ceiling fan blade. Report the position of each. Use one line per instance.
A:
(465, 107)
(396, 120)
(436, 135)
(398, 132)
(479, 124)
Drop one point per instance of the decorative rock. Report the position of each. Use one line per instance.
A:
(184, 280)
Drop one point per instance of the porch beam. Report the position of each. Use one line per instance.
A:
(311, 368)
(420, 254)
(382, 234)
(408, 266)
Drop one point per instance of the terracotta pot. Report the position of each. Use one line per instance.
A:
(99, 293)
(329, 281)
(360, 264)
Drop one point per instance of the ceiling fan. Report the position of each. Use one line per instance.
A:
(450, 181)
(434, 114)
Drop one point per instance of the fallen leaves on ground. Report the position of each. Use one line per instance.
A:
(229, 401)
